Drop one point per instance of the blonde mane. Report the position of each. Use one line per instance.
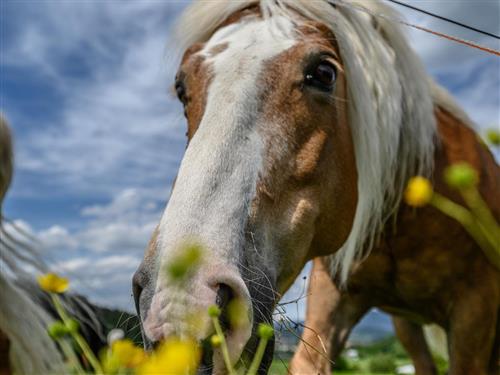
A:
(390, 98)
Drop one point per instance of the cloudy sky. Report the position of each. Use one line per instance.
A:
(98, 136)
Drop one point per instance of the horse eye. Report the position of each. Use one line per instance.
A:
(322, 76)
(180, 89)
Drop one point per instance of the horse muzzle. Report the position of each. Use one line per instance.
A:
(181, 310)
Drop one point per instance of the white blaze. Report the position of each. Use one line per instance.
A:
(217, 178)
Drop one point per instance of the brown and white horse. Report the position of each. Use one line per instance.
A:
(305, 120)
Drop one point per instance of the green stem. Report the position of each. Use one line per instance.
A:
(70, 355)
(464, 217)
(483, 214)
(223, 346)
(94, 362)
(254, 367)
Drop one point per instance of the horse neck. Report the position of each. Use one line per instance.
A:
(458, 142)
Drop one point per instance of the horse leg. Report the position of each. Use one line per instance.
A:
(329, 319)
(472, 331)
(411, 336)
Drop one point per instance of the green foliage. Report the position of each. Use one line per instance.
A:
(342, 364)
(441, 364)
(389, 344)
(381, 363)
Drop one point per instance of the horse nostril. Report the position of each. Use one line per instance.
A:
(224, 295)
(206, 362)
(137, 290)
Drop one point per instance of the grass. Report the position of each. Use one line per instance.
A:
(278, 368)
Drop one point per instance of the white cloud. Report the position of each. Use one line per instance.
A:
(117, 262)
(101, 255)
(117, 127)
(472, 75)
(71, 265)
(57, 237)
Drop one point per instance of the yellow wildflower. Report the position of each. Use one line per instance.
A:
(53, 283)
(122, 354)
(174, 357)
(127, 354)
(418, 192)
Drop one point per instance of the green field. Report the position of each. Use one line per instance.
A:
(278, 368)
(382, 357)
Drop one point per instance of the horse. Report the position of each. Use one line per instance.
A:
(305, 121)
(333, 311)
(25, 310)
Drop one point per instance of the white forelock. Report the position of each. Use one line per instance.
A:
(391, 100)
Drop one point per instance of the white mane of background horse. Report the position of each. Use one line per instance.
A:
(24, 307)
(22, 320)
(391, 101)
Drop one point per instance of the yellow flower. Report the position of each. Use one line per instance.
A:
(127, 354)
(174, 357)
(418, 191)
(52, 283)
(122, 354)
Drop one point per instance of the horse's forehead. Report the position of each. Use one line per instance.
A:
(247, 43)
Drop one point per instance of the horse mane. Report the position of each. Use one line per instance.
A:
(391, 101)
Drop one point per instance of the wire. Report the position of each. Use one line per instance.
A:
(445, 19)
(443, 35)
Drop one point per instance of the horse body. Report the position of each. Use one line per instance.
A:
(425, 269)
(305, 122)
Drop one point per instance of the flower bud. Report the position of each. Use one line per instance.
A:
(493, 137)
(265, 331)
(72, 325)
(57, 330)
(418, 192)
(216, 341)
(461, 176)
(213, 311)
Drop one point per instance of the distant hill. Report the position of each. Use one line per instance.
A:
(374, 326)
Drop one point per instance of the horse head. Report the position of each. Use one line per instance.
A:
(273, 165)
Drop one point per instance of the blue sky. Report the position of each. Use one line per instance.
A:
(98, 135)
